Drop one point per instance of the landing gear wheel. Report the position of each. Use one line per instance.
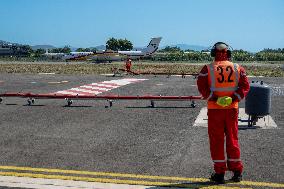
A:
(193, 104)
(1, 100)
(31, 101)
(152, 104)
(110, 103)
(69, 102)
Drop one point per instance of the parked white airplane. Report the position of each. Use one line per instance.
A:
(76, 55)
(108, 55)
(53, 55)
(67, 56)
(120, 55)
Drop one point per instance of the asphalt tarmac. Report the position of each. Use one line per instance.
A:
(129, 137)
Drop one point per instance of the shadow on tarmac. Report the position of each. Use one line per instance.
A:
(241, 127)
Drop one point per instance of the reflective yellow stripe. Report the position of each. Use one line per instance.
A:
(237, 74)
(234, 159)
(219, 161)
(223, 89)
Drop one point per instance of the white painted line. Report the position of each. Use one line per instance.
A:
(65, 92)
(54, 82)
(107, 74)
(254, 76)
(118, 82)
(46, 73)
(103, 85)
(264, 123)
(97, 88)
(83, 90)
(39, 183)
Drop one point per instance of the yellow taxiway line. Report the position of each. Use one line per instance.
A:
(12, 171)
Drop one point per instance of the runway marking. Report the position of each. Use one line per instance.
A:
(107, 74)
(39, 183)
(46, 73)
(57, 82)
(5, 171)
(255, 76)
(264, 123)
(54, 82)
(97, 88)
(116, 181)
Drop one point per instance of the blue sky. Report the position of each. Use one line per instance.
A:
(244, 24)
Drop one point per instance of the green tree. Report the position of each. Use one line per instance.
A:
(171, 49)
(125, 45)
(86, 50)
(66, 49)
(93, 49)
(241, 55)
(39, 52)
(27, 50)
(112, 44)
(80, 50)
(118, 44)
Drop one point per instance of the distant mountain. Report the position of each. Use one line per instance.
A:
(35, 47)
(188, 47)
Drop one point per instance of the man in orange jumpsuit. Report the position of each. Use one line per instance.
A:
(223, 84)
(128, 64)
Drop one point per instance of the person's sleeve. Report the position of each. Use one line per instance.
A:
(243, 86)
(202, 83)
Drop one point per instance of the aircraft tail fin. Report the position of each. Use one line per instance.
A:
(153, 46)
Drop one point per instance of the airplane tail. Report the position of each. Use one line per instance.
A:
(153, 46)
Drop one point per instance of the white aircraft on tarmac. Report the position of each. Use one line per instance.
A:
(109, 55)
(76, 55)
(120, 55)
(53, 55)
(67, 56)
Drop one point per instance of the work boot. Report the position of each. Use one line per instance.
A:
(237, 177)
(218, 178)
